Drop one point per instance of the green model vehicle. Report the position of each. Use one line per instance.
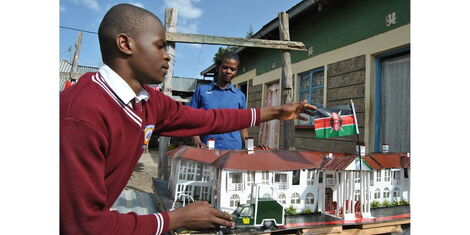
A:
(261, 212)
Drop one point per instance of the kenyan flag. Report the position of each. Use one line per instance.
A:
(335, 121)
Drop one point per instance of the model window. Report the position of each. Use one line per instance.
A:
(295, 199)
(310, 177)
(234, 200)
(357, 195)
(309, 198)
(248, 200)
(183, 169)
(406, 173)
(282, 198)
(206, 177)
(386, 193)
(377, 194)
(250, 177)
(296, 177)
(387, 175)
(311, 89)
(357, 177)
(265, 177)
(247, 211)
(378, 178)
(396, 193)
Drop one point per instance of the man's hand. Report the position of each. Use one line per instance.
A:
(198, 143)
(287, 112)
(199, 215)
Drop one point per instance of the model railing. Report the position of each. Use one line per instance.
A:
(235, 187)
(282, 185)
(330, 181)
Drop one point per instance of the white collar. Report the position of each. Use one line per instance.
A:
(120, 87)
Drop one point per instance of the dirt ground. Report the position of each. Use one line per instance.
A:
(145, 169)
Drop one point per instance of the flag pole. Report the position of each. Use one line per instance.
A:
(360, 158)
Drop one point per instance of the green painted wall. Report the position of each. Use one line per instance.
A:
(335, 27)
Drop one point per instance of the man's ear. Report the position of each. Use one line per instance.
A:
(124, 43)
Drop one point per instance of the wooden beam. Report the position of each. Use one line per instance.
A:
(322, 230)
(232, 41)
(78, 43)
(375, 225)
(170, 26)
(286, 82)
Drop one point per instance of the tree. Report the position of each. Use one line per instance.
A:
(222, 50)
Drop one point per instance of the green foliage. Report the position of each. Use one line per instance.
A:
(290, 210)
(404, 202)
(396, 203)
(222, 50)
(307, 210)
(386, 203)
(250, 32)
(375, 204)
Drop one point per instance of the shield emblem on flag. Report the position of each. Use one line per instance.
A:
(336, 121)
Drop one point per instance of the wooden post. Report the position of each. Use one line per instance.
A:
(286, 81)
(74, 71)
(170, 26)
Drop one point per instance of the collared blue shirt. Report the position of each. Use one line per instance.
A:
(211, 96)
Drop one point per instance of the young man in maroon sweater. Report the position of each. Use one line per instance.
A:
(105, 117)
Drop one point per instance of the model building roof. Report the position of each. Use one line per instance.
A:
(280, 160)
(195, 154)
(388, 160)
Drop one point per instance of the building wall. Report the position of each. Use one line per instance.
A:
(302, 189)
(352, 76)
(338, 25)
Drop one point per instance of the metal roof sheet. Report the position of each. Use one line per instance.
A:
(131, 200)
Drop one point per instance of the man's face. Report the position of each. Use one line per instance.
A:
(149, 60)
(227, 70)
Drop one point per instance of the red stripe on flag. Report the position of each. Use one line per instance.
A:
(326, 123)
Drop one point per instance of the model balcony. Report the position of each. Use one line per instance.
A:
(235, 187)
(330, 181)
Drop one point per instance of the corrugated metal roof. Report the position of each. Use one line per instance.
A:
(65, 68)
(131, 200)
(183, 84)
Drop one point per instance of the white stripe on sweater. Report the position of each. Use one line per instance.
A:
(253, 117)
(126, 109)
(160, 223)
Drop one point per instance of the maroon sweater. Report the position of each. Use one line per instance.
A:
(101, 140)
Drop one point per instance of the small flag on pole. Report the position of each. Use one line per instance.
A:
(335, 121)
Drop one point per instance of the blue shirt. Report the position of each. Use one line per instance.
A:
(211, 96)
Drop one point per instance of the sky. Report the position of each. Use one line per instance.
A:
(209, 17)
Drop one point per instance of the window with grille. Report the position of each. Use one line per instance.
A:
(310, 177)
(310, 88)
(387, 175)
(282, 198)
(386, 193)
(309, 198)
(234, 200)
(295, 198)
(377, 194)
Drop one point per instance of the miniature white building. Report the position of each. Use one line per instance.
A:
(321, 181)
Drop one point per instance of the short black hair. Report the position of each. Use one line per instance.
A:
(121, 18)
(227, 55)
